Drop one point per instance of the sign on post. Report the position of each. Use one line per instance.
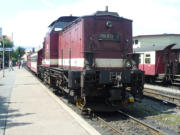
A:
(0, 32)
(6, 49)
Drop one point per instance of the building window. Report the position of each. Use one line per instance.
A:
(147, 59)
(136, 41)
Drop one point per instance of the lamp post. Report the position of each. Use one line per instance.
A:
(3, 55)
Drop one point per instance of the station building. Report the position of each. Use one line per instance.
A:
(153, 51)
(154, 41)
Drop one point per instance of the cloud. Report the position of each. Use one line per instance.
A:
(149, 17)
(47, 3)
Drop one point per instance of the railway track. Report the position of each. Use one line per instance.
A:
(152, 129)
(172, 100)
(147, 126)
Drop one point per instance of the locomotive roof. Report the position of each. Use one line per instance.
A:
(151, 47)
(97, 13)
(63, 21)
(102, 13)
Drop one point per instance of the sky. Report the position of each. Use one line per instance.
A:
(28, 20)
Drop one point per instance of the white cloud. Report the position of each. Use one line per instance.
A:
(47, 3)
(149, 17)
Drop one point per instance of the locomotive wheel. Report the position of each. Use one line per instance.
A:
(80, 103)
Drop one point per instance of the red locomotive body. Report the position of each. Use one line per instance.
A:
(90, 35)
(50, 45)
(50, 58)
(95, 60)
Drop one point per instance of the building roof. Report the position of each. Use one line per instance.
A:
(146, 48)
(156, 35)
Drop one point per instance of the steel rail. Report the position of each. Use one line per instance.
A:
(108, 125)
(163, 95)
(91, 113)
(153, 129)
(169, 99)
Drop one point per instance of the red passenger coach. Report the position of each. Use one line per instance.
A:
(157, 62)
(39, 57)
(33, 59)
(90, 58)
(28, 64)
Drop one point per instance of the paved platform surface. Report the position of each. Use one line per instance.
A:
(29, 108)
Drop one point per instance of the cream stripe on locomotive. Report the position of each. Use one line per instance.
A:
(79, 62)
(34, 64)
(50, 61)
(75, 62)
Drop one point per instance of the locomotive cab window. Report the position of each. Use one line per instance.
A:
(147, 59)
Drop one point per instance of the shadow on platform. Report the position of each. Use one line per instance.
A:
(6, 114)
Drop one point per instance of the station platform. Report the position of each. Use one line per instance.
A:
(27, 107)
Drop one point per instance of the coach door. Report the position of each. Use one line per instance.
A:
(177, 63)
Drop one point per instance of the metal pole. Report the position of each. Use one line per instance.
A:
(3, 57)
(9, 59)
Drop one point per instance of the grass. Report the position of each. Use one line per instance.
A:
(172, 118)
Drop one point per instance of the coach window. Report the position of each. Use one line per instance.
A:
(147, 59)
(140, 59)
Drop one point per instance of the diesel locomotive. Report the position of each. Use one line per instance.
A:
(90, 59)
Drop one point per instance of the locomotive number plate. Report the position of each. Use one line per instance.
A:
(108, 36)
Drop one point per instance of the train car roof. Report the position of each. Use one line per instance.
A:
(106, 13)
(177, 46)
(151, 47)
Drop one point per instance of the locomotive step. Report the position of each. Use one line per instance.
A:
(176, 83)
(158, 81)
(177, 79)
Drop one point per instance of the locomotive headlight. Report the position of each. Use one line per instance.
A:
(128, 63)
(109, 24)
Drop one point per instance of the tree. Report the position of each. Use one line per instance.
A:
(7, 44)
(18, 53)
